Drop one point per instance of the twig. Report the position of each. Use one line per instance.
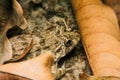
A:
(25, 52)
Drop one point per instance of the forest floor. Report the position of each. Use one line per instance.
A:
(52, 26)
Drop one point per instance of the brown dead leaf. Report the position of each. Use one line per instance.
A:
(18, 17)
(5, 50)
(115, 5)
(11, 14)
(38, 68)
(88, 77)
(6, 76)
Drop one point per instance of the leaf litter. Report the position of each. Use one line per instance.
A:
(52, 26)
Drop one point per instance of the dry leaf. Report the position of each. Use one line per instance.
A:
(5, 50)
(115, 5)
(88, 77)
(18, 17)
(10, 14)
(6, 76)
(38, 68)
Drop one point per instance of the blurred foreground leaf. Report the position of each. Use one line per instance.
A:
(88, 77)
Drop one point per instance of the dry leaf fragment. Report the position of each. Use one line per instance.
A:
(37, 68)
(115, 4)
(88, 77)
(7, 76)
(10, 14)
(18, 17)
(5, 50)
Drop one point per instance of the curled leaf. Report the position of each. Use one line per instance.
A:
(18, 17)
(11, 14)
